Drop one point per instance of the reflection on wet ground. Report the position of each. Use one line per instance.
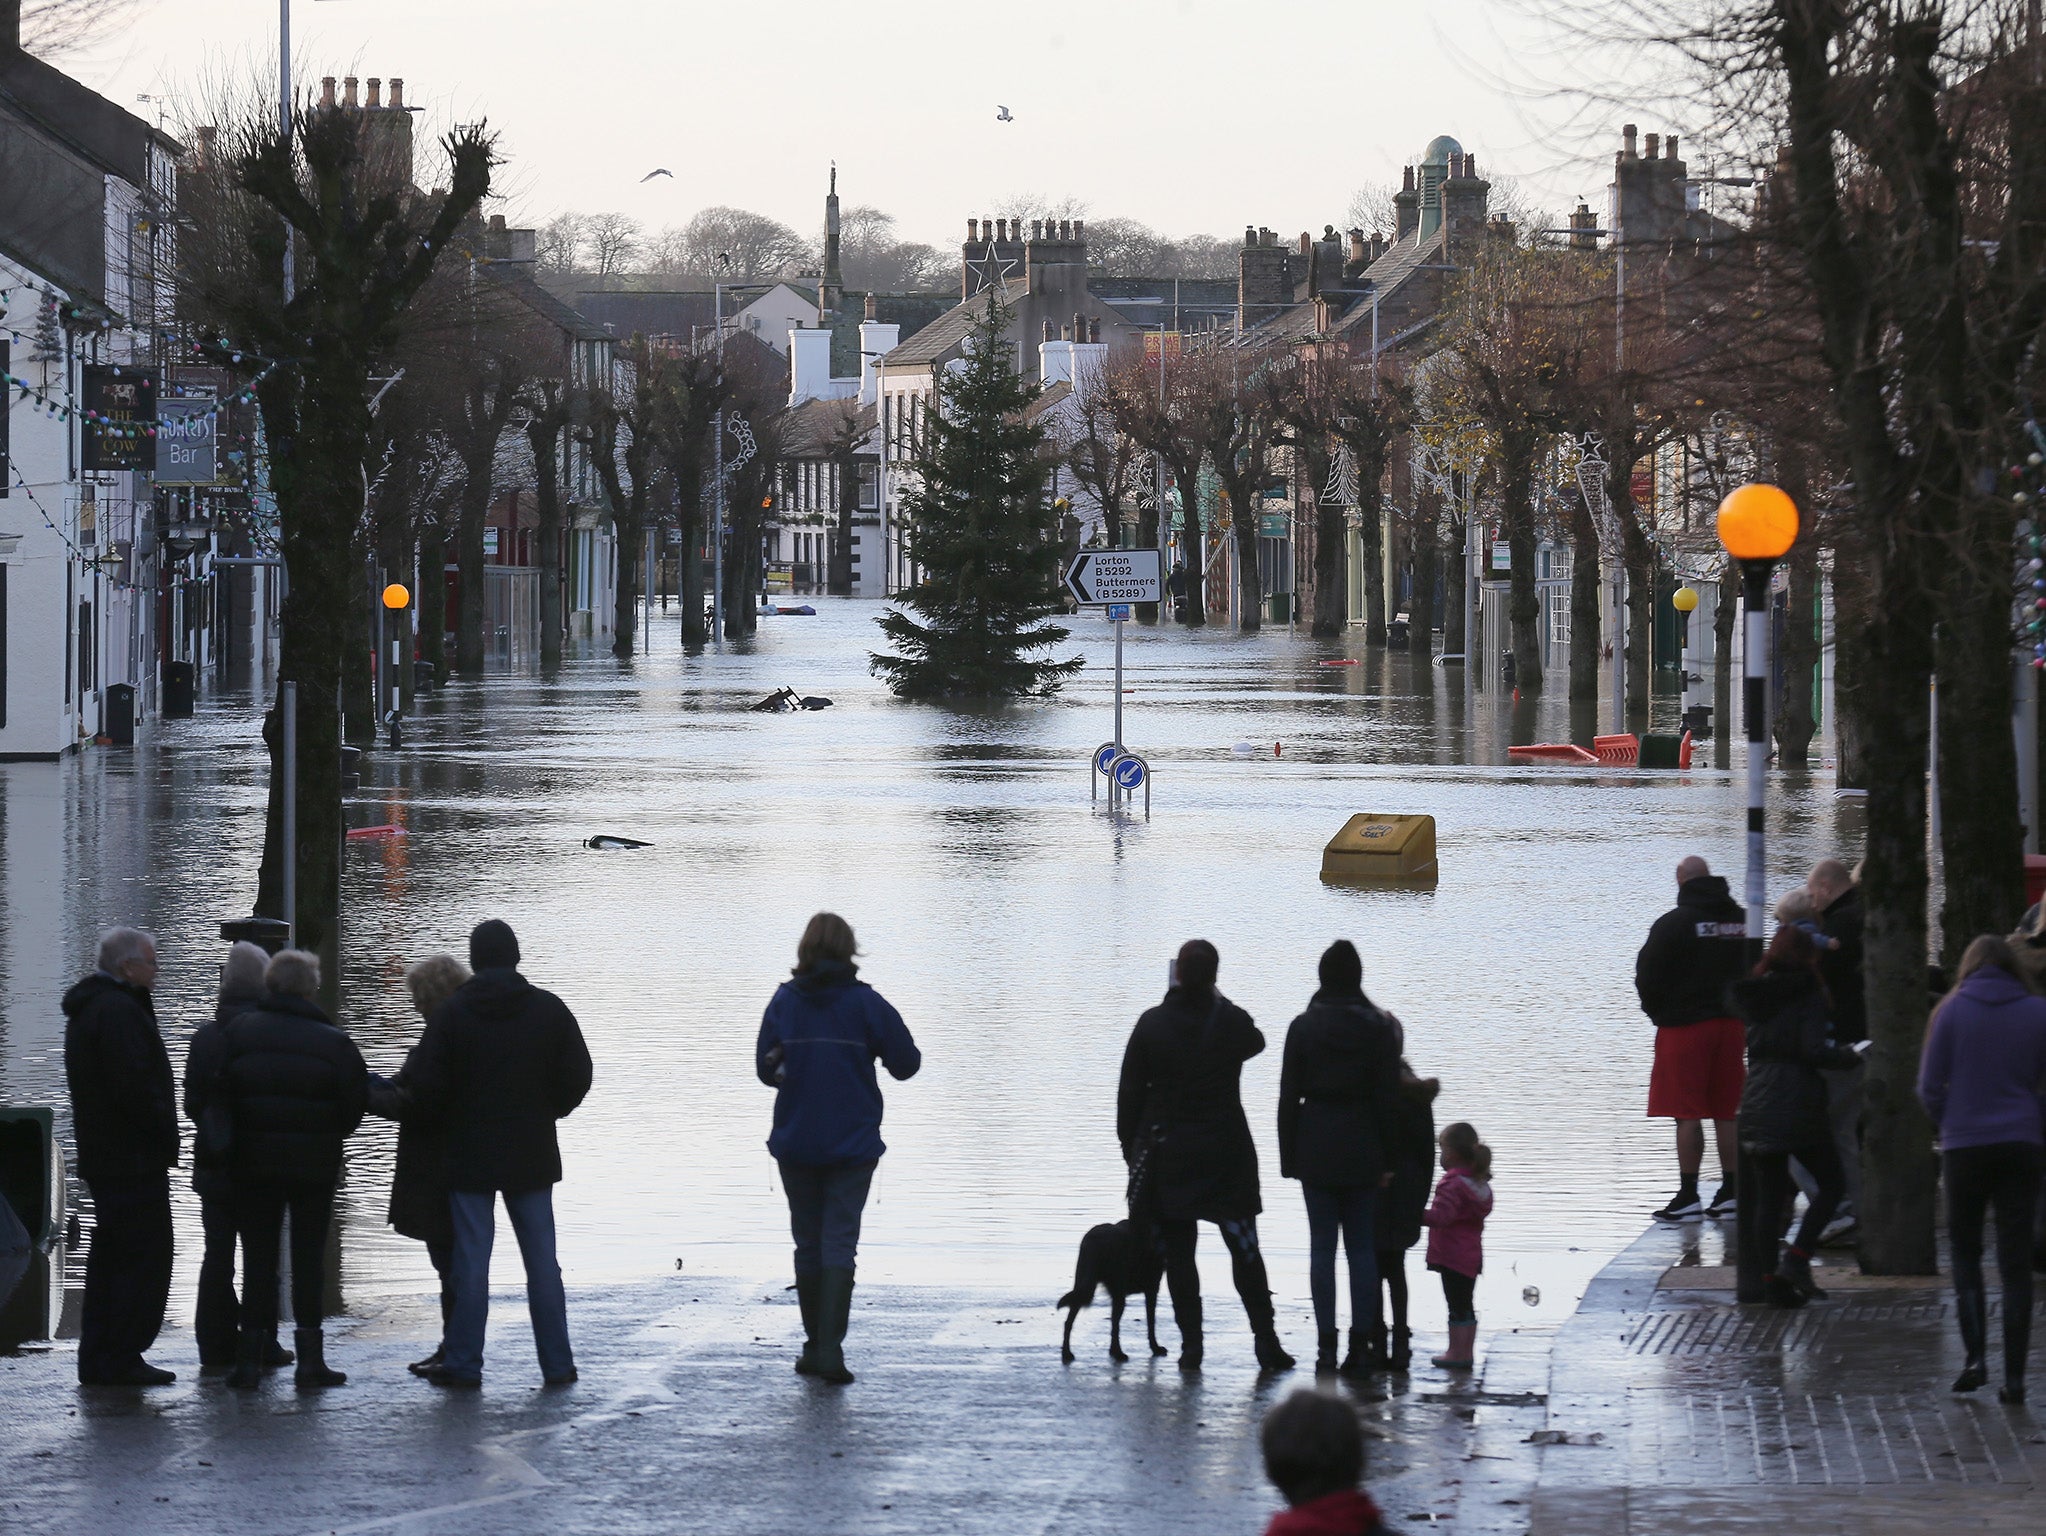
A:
(1019, 926)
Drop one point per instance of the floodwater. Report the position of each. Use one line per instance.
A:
(1018, 925)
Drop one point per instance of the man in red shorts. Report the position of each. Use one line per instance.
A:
(1694, 952)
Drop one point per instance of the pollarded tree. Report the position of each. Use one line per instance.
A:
(985, 536)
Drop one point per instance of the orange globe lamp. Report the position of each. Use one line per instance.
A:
(395, 596)
(1757, 522)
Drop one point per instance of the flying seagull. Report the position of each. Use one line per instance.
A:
(650, 175)
(1003, 115)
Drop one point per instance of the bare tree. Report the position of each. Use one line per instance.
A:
(611, 245)
(739, 246)
(561, 243)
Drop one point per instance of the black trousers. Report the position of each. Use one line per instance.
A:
(2006, 1176)
(217, 1321)
(1392, 1276)
(1246, 1265)
(1460, 1291)
(1774, 1189)
(127, 1274)
(259, 1217)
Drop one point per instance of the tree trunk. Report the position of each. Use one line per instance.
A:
(1524, 602)
(1250, 601)
(1724, 619)
(1371, 549)
(1981, 831)
(547, 543)
(1426, 558)
(433, 599)
(848, 481)
(1147, 538)
(1587, 583)
(690, 583)
(1850, 616)
(1192, 545)
(1456, 596)
(629, 532)
(1796, 712)
(473, 600)
(359, 654)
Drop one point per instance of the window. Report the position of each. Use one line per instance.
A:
(1559, 617)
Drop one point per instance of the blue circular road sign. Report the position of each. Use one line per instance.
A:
(1129, 771)
(1105, 756)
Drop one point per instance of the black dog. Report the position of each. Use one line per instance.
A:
(1112, 1256)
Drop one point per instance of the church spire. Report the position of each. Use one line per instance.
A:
(831, 284)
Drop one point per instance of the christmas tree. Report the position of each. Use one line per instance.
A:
(985, 537)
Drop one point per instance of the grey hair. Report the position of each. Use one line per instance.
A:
(433, 981)
(241, 973)
(117, 946)
(293, 973)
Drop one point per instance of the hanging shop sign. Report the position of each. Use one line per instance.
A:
(120, 416)
(186, 443)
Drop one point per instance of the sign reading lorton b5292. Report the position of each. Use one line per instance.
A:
(1116, 576)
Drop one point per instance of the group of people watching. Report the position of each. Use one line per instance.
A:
(1356, 1128)
(273, 1088)
(1773, 1055)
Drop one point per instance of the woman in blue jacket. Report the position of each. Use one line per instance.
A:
(818, 1043)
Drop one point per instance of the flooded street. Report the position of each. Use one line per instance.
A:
(1019, 927)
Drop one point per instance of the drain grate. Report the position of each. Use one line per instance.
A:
(1838, 1439)
(1732, 1332)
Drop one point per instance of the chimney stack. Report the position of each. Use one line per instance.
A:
(1080, 230)
(327, 92)
(397, 94)
(376, 94)
(873, 310)
(973, 229)
(1627, 151)
(348, 93)
(1669, 147)
(1094, 333)
(1653, 143)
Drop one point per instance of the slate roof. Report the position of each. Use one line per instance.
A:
(931, 343)
(651, 313)
(77, 116)
(1389, 273)
(563, 317)
(808, 429)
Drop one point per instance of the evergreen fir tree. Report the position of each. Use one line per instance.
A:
(983, 531)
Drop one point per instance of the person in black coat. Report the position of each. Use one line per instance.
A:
(1179, 1117)
(124, 1118)
(1338, 1091)
(498, 1065)
(1783, 1112)
(1411, 1145)
(419, 1178)
(293, 1088)
(1695, 951)
(217, 1320)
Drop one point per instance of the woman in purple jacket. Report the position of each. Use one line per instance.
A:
(1981, 1078)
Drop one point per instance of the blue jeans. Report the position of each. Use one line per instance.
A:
(1354, 1212)
(825, 1205)
(532, 1219)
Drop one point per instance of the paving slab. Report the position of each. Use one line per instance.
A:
(1683, 1411)
(688, 1417)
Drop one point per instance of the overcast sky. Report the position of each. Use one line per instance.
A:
(1191, 115)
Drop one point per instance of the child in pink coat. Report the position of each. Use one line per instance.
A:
(1455, 1219)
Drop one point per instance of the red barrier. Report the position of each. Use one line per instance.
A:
(1619, 751)
(1549, 752)
(388, 829)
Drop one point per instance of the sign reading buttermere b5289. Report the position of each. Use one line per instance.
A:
(1116, 576)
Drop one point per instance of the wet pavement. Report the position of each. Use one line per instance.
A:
(689, 1418)
(1712, 1417)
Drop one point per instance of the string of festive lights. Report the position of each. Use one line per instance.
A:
(2030, 604)
(94, 558)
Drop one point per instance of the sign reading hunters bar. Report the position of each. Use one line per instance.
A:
(124, 400)
(1116, 576)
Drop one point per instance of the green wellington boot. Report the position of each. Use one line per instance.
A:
(834, 1313)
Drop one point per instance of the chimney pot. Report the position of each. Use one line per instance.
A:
(397, 102)
(1669, 147)
(1094, 332)
(1037, 229)
(1306, 242)
(1407, 179)
(1249, 236)
(1050, 331)
(348, 92)
(1653, 144)
(1079, 229)
(376, 94)
(1002, 225)
(1627, 133)
(873, 310)
(327, 91)
(1470, 166)
(1078, 329)
(973, 229)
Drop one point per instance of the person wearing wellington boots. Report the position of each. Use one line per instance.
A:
(499, 1063)
(1314, 1455)
(1401, 1203)
(1783, 1110)
(1179, 1117)
(1338, 1092)
(822, 1033)
(217, 1320)
(1980, 1081)
(293, 1088)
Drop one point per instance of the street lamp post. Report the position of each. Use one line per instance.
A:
(1685, 601)
(1757, 526)
(396, 600)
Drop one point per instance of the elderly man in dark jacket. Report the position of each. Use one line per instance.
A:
(1179, 1117)
(293, 1088)
(1694, 953)
(499, 1064)
(124, 1117)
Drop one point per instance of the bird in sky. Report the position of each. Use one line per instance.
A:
(650, 175)
(1002, 114)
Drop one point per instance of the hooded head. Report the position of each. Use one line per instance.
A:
(1342, 972)
(493, 946)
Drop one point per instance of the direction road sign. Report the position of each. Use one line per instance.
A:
(1129, 771)
(1116, 576)
(1105, 756)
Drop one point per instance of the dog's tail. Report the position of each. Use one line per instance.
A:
(1086, 1280)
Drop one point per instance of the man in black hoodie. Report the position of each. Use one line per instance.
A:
(498, 1065)
(124, 1118)
(1694, 953)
